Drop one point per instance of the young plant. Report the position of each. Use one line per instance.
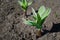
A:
(24, 4)
(39, 17)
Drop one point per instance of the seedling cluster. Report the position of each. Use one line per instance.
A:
(39, 17)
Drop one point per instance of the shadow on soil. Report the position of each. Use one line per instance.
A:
(55, 28)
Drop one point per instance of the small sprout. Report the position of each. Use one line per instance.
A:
(24, 4)
(39, 18)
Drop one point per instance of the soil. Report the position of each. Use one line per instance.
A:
(12, 28)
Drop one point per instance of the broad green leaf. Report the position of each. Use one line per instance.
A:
(23, 1)
(46, 13)
(34, 14)
(26, 4)
(41, 11)
(28, 22)
(42, 21)
(29, 3)
(21, 4)
(38, 19)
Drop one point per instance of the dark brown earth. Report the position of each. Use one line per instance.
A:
(12, 28)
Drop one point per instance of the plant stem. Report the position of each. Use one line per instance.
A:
(38, 33)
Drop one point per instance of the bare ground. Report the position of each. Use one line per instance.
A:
(12, 28)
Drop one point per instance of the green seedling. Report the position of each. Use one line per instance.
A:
(39, 17)
(24, 4)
